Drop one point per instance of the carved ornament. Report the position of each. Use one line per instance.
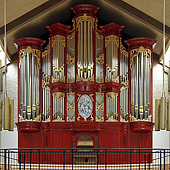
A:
(46, 51)
(70, 60)
(100, 80)
(44, 85)
(101, 94)
(69, 80)
(71, 106)
(123, 49)
(73, 34)
(100, 107)
(58, 38)
(69, 94)
(125, 85)
(114, 80)
(100, 59)
(36, 53)
(101, 119)
(112, 38)
(59, 95)
(111, 95)
(85, 18)
(58, 80)
(98, 35)
(82, 79)
(136, 52)
(91, 96)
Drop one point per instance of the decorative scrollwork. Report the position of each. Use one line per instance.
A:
(101, 94)
(58, 95)
(100, 80)
(71, 106)
(34, 52)
(125, 85)
(100, 59)
(111, 95)
(114, 80)
(123, 49)
(112, 38)
(91, 96)
(44, 85)
(58, 80)
(99, 36)
(69, 80)
(100, 107)
(136, 52)
(82, 79)
(58, 38)
(70, 60)
(101, 119)
(78, 96)
(85, 18)
(47, 50)
(69, 94)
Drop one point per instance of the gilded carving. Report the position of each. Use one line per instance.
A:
(101, 119)
(112, 38)
(59, 95)
(101, 94)
(73, 34)
(78, 96)
(71, 106)
(136, 52)
(100, 80)
(36, 53)
(69, 80)
(44, 85)
(100, 59)
(125, 85)
(58, 80)
(58, 38)
(91, 96)
(69, 94)
(111, 95)
(46, 51)
(114, 80)
(70, 60)
(123, 49)
(100, 107)
(98, 35)
(85, 18)
(82, 79)
(70, 119)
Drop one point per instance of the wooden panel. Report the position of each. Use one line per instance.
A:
(67, 140)
(56, 140)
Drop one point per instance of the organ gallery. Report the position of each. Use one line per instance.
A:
(85, 84)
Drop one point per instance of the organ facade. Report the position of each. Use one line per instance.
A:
(84, 88)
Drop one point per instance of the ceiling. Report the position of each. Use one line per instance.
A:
(28, 18)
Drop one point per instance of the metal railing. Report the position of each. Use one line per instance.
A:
(80, 158)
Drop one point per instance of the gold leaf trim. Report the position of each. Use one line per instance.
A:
(69, 80)
(101, 119)
(114, 80)
(70, 107)
(78, 96)
(69, 94)
(111, 95)
(85, 18)
(34, 52)
(58, 80)
(123, 49)
(100, 80)
(135, 53)
(112, 38)
(100, 107)
(58, 38)
(70, 60)
(44, 85)
(82, 79)
(47, 50)
(100, 59)
(92, 96)
(101, 94)
(98, 35)
(59, 95)
(125, 85)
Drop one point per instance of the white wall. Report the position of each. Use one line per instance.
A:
(161, 139)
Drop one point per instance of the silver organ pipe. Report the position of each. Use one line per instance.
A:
(85, 50)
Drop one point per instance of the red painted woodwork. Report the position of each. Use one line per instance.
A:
(112, 29)
(87, 9)
(135, 43)
(105, 134)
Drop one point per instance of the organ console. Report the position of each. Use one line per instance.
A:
(85, 80)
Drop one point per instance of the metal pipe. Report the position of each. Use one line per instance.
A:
(81, 59)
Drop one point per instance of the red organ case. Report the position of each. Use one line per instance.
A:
(85, 86)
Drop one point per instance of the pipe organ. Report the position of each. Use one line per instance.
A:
(85, 80)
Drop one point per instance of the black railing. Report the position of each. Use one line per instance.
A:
(67, 158)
